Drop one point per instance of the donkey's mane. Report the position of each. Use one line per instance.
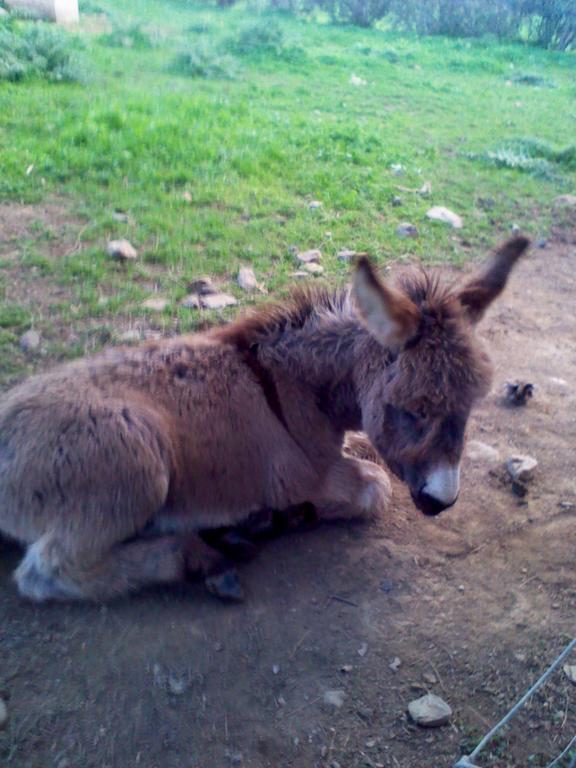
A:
(317, 303)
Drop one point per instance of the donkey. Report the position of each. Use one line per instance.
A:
(111, 467)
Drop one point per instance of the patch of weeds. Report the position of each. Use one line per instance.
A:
(523, 78)
(29, 50)
(203, 61)
(128, 37)
(87, 6)
(530, 155)
(13, 316)
(264, 39)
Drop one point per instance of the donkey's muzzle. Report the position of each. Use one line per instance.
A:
(429, 505)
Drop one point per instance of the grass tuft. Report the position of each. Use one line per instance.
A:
(264, 39)
(128, 37)
(533, 156)
(201, 60)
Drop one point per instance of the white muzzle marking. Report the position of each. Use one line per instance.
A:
(443, 484)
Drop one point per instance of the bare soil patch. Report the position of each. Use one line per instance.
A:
(475, 605)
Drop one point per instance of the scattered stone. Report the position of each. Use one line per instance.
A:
(370, 744)
(562, 383)
(569, 671)
(281, 701)
(521, 468)
(396, 201)
(335, 764)
(3, 714)
(218, 301)
(430, 711)
(479, 451)
(439, 213)
(346, 255)
(306, 257)
(357, 81)
(313, 268)
(236, 758)
(334, 698)
(123, 250)
(405, 229)
(121, 217)
(346, 668)
(131, 336)
(518, 393)
(429, 678)
(515, 229)
(30, 341)
(395, 664)
(397, 169)
(247, 280)
(187, 196)
(156, 303)
(203, 286)
(365, 713)
(363, 649)
(461, 588)
(565, 201)
(177, 685)
(314, 205)
(299, 274)
(275, 669)
(191, 301)
(225, 585)
(387, 586)
(542, 243)
(425, 189)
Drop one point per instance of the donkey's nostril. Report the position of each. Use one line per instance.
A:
(429, 505)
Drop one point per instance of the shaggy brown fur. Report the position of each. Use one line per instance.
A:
(202, 431)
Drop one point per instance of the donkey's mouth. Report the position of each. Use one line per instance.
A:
(429, 505)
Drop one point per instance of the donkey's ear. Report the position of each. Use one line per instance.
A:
(477, 295)
(389, 315)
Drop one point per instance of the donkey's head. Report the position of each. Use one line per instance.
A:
(416, 400)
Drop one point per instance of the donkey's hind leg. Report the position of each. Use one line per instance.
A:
(50, 572)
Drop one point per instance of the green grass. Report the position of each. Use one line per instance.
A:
(163, 114)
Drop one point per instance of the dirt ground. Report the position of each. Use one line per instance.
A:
(474, 605)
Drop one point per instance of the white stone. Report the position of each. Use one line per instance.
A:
(405, 229)
(247, 280)
(395, 664)
(363, 649)
(30, 341)
(191, 302)
(334, 698)
(218, 301)
(122, 250)
(478, 451)
(3, 714)
(202, 286)
(314, 205)
(155, 303)
(357, 81)
(566, 201)
(299, 274)
(307, 256)
(61, 11)
(521, 468)
(425, 189)
(570, 672)
(430, 711)
(313, 268)
(346, 255)
(439, 213)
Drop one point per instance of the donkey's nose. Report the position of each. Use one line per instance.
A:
(429, 505)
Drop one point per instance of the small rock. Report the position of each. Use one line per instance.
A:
(131, 336)
(306, 257)
(314, 205)
(123, 250)
(542, 243)
(177, 685)
(187, 197)
(203, 286)
(461, 588)
(334, 698)
(275, 669)
(247, 280)
(395, 664)
(192, 301)
(357, 81)
(405, 229)
(478, 451)
(30, 341)
(425, 189)
(335, 764)
(346, 668)
(281, 701)
(363, 649)
(155, 303)
(313, 268)
(120, 216)
(365, 713)
(569, 671)
(439, 213)
(396, 201)
(370, 744)
(346, 255)
(562, 383)
(397, 169)
(565, 201)
(299, 274)
(429, 678)
(236, 759)
(429, 711)
(518, 393)
(521, 468)
(3, 714)
(515, 229)
(218, 301)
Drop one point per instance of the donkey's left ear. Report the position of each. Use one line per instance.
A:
(390, 316)
(477, 295)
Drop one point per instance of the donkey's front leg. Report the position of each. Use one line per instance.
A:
(354, 489)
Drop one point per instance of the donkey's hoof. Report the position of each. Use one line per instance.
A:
(225, 585)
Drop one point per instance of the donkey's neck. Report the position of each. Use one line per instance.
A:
(327, 357)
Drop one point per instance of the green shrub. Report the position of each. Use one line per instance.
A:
(264, 39)
(531, 156)
(37, 50)
(202, 61)
(128, 37)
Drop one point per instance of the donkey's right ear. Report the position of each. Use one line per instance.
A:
(390, 316)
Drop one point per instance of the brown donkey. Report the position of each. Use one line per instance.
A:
(110, 467)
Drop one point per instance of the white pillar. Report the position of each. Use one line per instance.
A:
(61, 11)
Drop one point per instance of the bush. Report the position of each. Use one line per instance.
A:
(128, 37)
(455, 18)
(203, 61)
(531, 156)
(37, 50)
(264, 39)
